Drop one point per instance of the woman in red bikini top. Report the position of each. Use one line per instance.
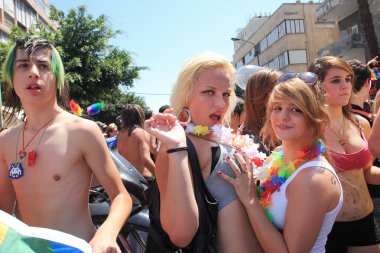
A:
(348, 147)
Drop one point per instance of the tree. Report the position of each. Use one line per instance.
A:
(366, 20)
(95, 70)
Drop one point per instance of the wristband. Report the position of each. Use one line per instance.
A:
(172, 150)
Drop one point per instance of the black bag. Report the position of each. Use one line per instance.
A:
(204, 240)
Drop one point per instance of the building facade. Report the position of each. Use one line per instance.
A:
(351, 43)
(24, 14)
(288, 40)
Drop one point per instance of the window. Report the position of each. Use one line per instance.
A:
(287, 58)
(353, 30)
(295, 26)
(297, 56)
(286, 27)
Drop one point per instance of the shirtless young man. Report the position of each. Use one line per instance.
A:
(133, 141)
(52, 187)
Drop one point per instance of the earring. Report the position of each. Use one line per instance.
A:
(182, 118)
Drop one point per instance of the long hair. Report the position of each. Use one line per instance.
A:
(188, 76)
(321, 66)
(309, 99)
(132, 117)
(259, 87)
(29, 45)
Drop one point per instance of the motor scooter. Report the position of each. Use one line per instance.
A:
(133, 235)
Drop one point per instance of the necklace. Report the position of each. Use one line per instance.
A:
(22, 152)
(275, 172)
(340, 133)
(226, 136)
(16, 170)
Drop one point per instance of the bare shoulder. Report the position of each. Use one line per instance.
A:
(77, 124)
(8, 135)
(364, 124)
(140, 133)
(316, 183)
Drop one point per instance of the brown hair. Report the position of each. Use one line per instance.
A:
(131, 117)
(259, 87)
(322, 65)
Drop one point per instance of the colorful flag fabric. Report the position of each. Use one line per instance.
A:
(16, 237)
(375, 74)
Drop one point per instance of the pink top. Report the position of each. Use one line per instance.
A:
(352, 161)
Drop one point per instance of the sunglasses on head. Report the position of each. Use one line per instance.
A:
(307, 77)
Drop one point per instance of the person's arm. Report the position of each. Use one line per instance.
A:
(235, 233)
(99, 160)
(373, 63)
(374, 137)
(179, 211)
(7, 193)
(144, 149)
(377, 103)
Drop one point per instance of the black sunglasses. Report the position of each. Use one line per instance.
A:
(307, 77)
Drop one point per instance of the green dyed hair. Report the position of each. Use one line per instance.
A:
(30, 45)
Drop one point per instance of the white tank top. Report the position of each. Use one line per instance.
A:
(280, 202)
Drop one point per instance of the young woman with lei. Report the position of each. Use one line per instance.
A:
(204, 96)
(299, 195)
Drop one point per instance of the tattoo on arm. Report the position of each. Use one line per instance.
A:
(333, 180)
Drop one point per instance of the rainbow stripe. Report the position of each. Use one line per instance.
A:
(16, 237)
(375, 74)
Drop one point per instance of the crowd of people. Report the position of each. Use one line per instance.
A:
(290, 167)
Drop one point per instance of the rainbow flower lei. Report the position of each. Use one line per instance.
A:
(226, 136)
(274, 172)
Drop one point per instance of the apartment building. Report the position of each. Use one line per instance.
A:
(287, 40)
(24, 14)
(351, 42)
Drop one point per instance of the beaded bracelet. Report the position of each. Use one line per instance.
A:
(172, 150)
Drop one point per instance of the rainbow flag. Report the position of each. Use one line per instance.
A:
(17, 237)
(375, 74)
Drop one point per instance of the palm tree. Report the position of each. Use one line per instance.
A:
(366, 20)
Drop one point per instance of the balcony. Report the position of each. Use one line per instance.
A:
(343, 45)
(335, 10)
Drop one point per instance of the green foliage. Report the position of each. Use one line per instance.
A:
(95, 70)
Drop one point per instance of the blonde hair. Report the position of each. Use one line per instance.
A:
(110, 128)
(188, 77)
(309, 99)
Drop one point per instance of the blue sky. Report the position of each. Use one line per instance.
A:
(162, 35)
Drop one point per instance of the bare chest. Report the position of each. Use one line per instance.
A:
(46, 161)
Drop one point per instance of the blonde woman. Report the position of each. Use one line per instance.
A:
(299, 196)
(198, 211)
